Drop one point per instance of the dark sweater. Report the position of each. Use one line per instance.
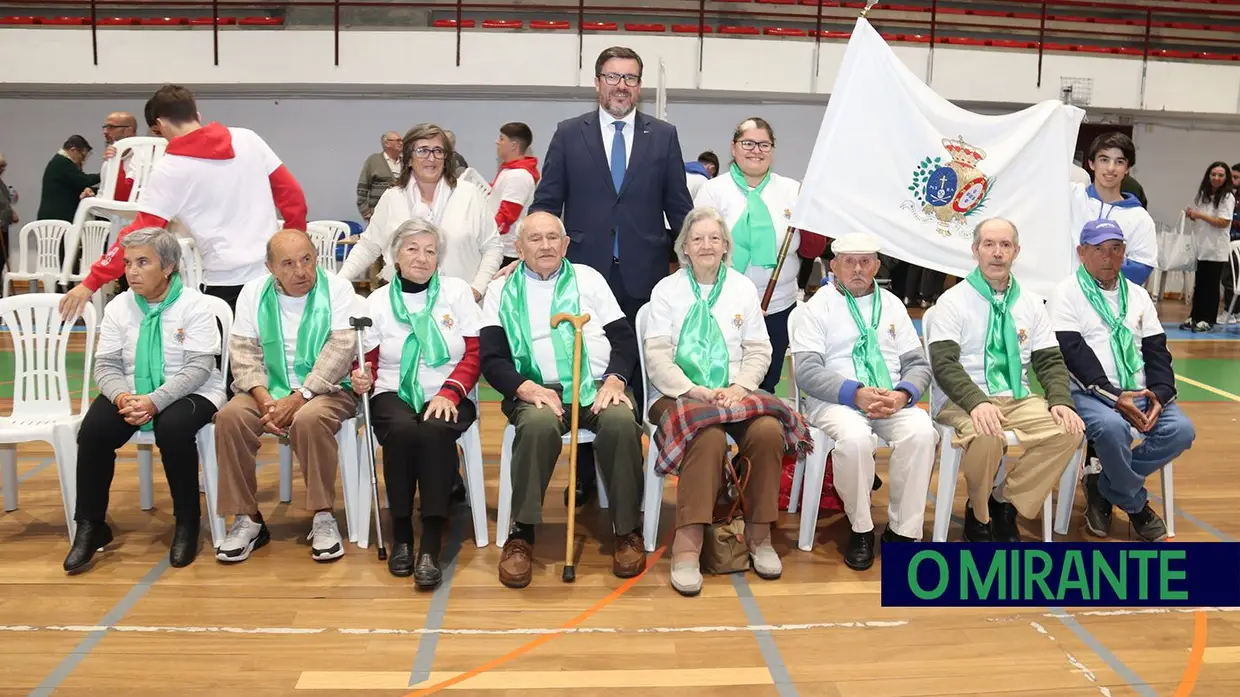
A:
(1087, 369)
(501, 373)
(1047, 365)
(63, 182)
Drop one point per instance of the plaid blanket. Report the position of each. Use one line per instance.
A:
(683, 421)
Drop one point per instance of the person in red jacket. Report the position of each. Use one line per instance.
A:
(223, 184)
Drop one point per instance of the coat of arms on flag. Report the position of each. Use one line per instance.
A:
(949, 193)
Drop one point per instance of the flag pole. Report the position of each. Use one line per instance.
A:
(779, 266)
(868, 5)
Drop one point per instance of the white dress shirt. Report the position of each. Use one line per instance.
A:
(608, 128)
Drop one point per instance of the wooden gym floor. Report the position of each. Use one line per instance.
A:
(280, 624)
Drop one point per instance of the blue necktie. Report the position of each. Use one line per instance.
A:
(617, 174)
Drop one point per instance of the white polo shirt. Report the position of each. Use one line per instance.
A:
(780, 197)
(737, 311)
(595, 299)
(824, 326)
(455, 312)
(344, 303)
(1140, 236)
(188, 327)
(1070, 311)
(962, 315)
(226, 204)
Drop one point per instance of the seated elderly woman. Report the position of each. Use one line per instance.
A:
(155, 365)
(707, 349)
(423, 353)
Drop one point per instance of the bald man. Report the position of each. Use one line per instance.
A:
(378, 173)
(291, 348)
(118, 126)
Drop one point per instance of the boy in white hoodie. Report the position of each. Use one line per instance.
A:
(1110, 156)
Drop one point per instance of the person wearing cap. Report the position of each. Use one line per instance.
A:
(986, 335)
(863, 369)
(1122, 380)
(707, 349)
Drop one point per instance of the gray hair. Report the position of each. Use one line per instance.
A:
(977, 231)
(695, 216)
(165, 244)
(383, 138)
(416, 226)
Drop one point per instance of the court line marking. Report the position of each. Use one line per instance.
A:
(1077, 666)
(766, 640)
(1196, 656)
(424, 658)
(1208, 388)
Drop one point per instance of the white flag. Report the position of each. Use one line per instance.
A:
(898, 161)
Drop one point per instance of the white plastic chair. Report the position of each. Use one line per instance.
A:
(326, 234)
(349, 451)
(46, 235)
(145, 440)
(475, 483)
(1072, 475)
(95, 235)
(503, 517)
(42, 404)
(191, 264)
(810, 470)
(144, 152)
(949, 463)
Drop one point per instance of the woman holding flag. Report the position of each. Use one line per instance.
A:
(155, 367)
(422, 362)
(757, 204)
(706, 351)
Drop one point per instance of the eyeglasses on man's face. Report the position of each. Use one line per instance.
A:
(425, 152)
(615, 78)
(761, 145)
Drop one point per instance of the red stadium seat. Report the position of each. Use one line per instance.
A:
(649, 28)
(206, 21)
(163, 22)
(18, 20)
(116, 21)
(782, 31)
(691, 29)
(599, 26)
(548, 24)
(502, 24)
(451, 24)
(66, 21)
(261, 21)
(739, 31)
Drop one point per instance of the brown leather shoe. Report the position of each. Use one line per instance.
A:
(516, 563)
(629, 557)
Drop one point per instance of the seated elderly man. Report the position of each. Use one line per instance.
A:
(290, 350)
(531, 365)
(1098, 316)
(987, 334)
(863, 368)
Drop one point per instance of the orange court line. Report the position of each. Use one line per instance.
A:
(1189, 679)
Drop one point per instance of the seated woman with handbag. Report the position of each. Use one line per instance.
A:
(707, 350)
(422, 361)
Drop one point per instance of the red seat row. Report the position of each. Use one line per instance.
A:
(143, 21)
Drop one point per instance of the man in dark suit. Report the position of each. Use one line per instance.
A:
(611, 175)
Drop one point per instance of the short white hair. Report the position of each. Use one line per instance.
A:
(977, 231)
(416, 226)
(559, 224)
(696, 216)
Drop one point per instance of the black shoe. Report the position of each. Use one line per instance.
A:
(184, 544)
(1148, 525)
(860, 552)
(1097, 509)
(91, 536)
(400, 563)
(458, 489)
(427, 574)
(1003, 521)
(975, 531)
(889, 536)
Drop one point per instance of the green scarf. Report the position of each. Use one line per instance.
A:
(424, 337)
(753, 235)
(867, 356)
(514, 318)
(701, 351)
(1123, 346)
(312, 333)
(1003, 364)
(148, 361)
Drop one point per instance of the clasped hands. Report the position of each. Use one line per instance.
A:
(723, 397)
(1127, 407)
(609, 393)
(879, 403)
(136, 410)
(276, 415)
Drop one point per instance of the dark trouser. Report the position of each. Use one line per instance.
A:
(508, 260)
(777, 328)
(536, 447)
(229, 295)
(103, 431)
(1206, 291)
(418, 454)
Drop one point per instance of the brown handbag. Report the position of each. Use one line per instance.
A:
(723, 546)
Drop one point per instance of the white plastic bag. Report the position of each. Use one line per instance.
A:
(1176, 249)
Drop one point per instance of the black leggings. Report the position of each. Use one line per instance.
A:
(1206, 288)
(103, 431)
(418, 453)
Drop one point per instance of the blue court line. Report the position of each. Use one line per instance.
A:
(424, 659)
(35, 470)
(766, 641)
(1216, 533)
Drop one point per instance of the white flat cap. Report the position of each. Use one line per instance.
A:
(856, 243)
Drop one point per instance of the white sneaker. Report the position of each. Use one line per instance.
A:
(1224, 318)
(1202, 326)
(325, 542)
(243, 537)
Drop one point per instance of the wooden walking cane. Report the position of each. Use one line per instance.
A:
(779, 266)
(578, 321)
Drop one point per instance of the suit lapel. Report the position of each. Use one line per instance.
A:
(593, 135)
(641, 145)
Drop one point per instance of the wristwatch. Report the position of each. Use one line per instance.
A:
(306, 394)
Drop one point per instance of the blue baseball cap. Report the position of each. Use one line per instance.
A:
(1101, 230)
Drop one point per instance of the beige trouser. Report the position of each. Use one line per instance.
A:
(312, 435)
(1028, 480)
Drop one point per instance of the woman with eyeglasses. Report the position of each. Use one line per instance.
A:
(427, 190)
(757, 203)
